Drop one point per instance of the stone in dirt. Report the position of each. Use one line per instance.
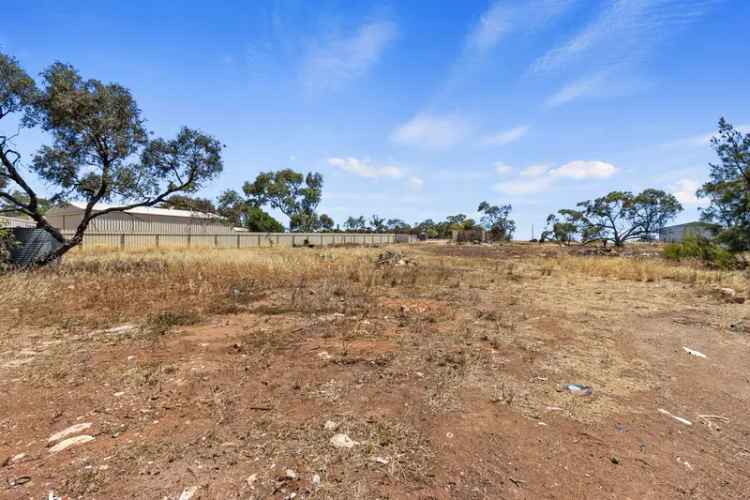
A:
(343, 441)
(73, 429)
(188, 493)
(330, 425)
(62, 445)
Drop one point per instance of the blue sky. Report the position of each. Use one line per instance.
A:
(421, 109)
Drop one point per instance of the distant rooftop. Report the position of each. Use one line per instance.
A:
(170, 212)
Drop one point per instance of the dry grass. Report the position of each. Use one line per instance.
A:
(96, 288)
(647, 270)
(99, 287)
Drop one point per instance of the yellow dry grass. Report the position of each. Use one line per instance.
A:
(648, 270)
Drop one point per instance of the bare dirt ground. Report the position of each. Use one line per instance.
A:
(433, 380)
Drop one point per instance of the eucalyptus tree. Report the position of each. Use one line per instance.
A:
(100, 150)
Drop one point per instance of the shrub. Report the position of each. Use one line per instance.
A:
(701, 249)
(6, 243)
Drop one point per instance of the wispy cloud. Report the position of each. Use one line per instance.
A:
(603, 59)
(368, 170)
(333, 62)
(365, 169)
(506, 136)
(540, 178)
(623, 31)
(578, 88)
(432, 131)
(504, 17)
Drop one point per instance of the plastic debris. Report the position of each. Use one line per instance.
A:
(693, 352)
(62, 445)
(73, 429)
(679, 419)
(578, 389)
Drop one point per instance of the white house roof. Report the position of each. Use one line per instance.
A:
(169, 212)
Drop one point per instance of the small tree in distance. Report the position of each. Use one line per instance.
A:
(497, 220)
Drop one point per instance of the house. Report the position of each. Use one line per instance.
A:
(680, 231)
(141, 220)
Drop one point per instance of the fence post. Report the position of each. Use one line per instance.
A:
(156, 240)
(238, 240)
(188, 240)
(216, 241)
(122, 241)
(259, 242)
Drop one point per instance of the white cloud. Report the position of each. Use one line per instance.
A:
(364, 169)
(582, 169)
(502, 169)
(506, 136)
(432, 131)
(504, 17)
(540, 178)
(344, 58)
(684, 190)
(534, 171)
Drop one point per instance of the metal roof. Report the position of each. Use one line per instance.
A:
(169, 212)
(15, 222)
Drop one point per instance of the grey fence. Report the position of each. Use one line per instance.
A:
(238, 240)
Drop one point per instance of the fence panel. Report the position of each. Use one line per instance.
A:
(237, 240)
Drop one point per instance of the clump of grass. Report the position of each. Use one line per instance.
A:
(702, 250)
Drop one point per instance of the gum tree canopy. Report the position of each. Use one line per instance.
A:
(100, 150)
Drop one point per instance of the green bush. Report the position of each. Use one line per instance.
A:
(701, 249)
(6, 242)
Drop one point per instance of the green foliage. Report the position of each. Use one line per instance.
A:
(326, 223)
(6, 244)
(729, 187)
(100, 149)
(295, 195)
(620, 216)
(242, 213)
(561, 231)
(497, 220)
(701, 249)
(185, 202)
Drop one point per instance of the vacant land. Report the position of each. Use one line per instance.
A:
(317, 373)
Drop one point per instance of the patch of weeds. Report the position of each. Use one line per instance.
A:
(162, 322)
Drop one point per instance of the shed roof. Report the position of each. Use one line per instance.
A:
(169, 212)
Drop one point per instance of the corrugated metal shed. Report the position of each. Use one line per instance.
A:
(141, 220)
